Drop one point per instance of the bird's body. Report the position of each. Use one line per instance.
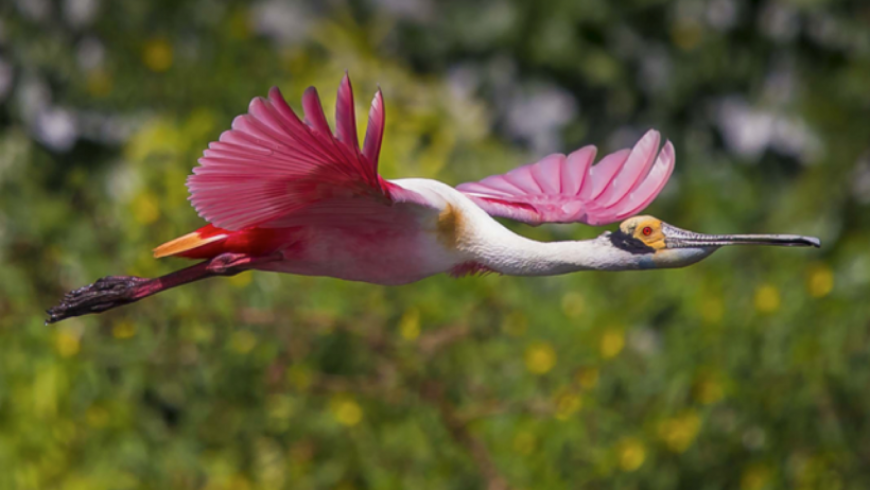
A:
(449, 235)
(285, 195)
(415, 242)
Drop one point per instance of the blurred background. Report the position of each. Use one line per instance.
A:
(747, 371)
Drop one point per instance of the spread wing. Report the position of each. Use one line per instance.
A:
(569, 189)
(272, 169)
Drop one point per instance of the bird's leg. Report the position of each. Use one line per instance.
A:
(113, 291)
(230, 264)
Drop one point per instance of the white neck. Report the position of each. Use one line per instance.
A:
(485, 241)
(519, 256)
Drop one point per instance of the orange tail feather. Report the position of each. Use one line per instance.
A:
(203, 236)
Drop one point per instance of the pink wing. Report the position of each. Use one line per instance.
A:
(560, 189)
(272, 170)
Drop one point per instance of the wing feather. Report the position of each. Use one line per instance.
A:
(271, 168)
(345, 117)
(375, 129)
(560, 189)
(575, 168)
(638, 163)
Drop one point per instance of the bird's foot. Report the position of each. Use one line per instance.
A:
(229, 264)
(108, 292)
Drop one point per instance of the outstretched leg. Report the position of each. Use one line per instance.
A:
(113, 291)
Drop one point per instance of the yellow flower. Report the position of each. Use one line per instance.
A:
(632, 454)
(346, 411)
(612, 342)
(820, 281)
(540, 358)
(679, 432)
(66, 342)
(123, 330)
(567, 404)
(157, 55)
(767, 298)
(409, 324)
(755, 478)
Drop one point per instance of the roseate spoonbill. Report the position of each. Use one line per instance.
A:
(286, 195)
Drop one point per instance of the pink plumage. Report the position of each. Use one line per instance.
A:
(345, 117)
(560, 189)
(286, 195)
(375, 130)
(271, 166)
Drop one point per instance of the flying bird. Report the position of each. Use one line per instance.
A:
(285, 194)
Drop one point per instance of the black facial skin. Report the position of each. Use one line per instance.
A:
(630, 244)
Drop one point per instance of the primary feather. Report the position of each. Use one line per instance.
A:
(271, 166)
(569, 189)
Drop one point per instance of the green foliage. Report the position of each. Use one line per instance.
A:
(749, 370)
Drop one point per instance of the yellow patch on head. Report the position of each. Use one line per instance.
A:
(646, 229)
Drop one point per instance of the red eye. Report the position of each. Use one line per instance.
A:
(647, 231)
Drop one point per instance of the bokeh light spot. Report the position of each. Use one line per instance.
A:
(346, 411)
(123, 329)
(755, 478)
(409, 324)
(157, 55)
(632, 454)
(679, 432)
(540, 358)
(567, 404)
(66, 342)
(820, 281)
(612, 342)
(767, 298)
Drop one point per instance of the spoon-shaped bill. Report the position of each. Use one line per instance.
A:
(679, 238)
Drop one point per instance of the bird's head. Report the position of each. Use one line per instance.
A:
(659, 245)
